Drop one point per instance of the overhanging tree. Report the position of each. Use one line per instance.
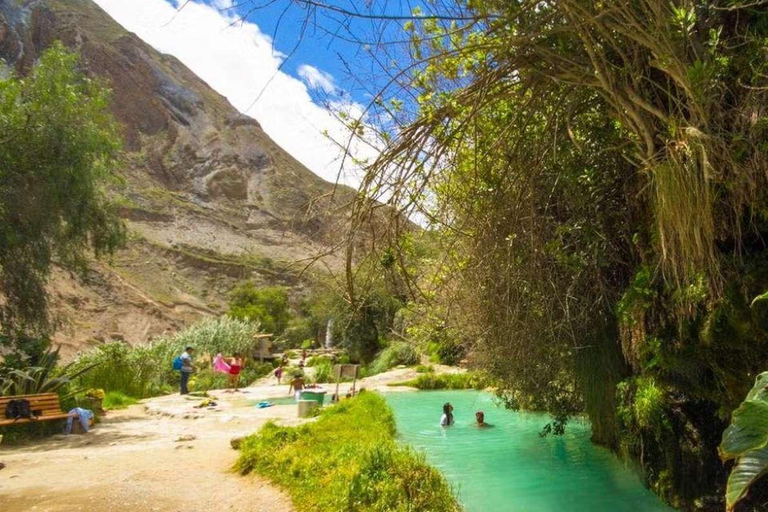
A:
(59, 147)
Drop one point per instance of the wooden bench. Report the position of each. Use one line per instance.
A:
(44, 407)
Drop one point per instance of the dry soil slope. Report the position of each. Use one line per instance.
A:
(210, 199)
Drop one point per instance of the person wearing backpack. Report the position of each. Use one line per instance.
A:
(185, 360)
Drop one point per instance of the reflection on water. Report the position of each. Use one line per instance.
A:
(509, 467)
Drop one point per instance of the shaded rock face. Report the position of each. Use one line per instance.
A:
(206, 189)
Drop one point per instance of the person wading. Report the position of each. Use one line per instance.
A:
(447, 418)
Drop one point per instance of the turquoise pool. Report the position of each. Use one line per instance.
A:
(509, 467)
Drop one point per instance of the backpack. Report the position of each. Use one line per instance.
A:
(18, 409)
(177, 364)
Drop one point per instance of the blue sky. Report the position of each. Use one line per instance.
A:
(325, 50)
(294, 104)
(296, 101)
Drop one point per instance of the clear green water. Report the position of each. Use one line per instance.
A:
(509, 467)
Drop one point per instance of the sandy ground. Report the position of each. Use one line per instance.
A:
(161, 455)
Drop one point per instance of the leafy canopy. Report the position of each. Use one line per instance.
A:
(267, 305)
(59, 146)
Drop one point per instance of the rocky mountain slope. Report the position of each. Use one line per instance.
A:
(209, 198)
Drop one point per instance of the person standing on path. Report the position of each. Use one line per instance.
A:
(186, 369)
(235, 367)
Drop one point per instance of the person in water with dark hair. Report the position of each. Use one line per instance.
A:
(480, 418)
(447, 419)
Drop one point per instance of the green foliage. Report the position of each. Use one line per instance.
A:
(59, 146)
(323, 371)
(117, 400)
(395, 354)
(347, 459)
(267, 305)
(97, 394)
(315, 360)
(638, 297)
(361, 335)
(425, 369)
(649, 404)
(146, 370)
(206, 379)
(45, 377)
(642, 403)
(432, 381)
(299, 330)
(599, 209)
(294, 372)
(431, 330)
(745, 441)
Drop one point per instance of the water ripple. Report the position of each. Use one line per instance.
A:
(509, 467)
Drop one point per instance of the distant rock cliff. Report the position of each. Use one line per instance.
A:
(209, 198)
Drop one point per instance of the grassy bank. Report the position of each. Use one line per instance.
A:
(469, 380)
(347, 460)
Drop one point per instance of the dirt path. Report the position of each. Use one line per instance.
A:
(162, 455)
(134, 460)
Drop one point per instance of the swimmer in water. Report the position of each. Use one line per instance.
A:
(447, 419)
(480, 418)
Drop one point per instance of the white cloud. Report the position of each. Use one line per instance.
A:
(223, 4)
(317, 79)
(239, 61)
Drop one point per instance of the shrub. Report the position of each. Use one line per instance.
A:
(425, 369)
(323, 371)
(468, 380)
(315, 360)
(96, 394)
(298, 330)
(268, 306)
(293, 372)
(146, 370)
(117, 400)
(44, 377)
(207, 379)
(649, 404)
(347, 460)
(395, 354)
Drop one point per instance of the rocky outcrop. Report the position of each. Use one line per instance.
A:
(205, 187)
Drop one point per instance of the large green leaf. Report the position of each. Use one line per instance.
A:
(748, 431)
(760, 298)
(760, 390)
(749, 467)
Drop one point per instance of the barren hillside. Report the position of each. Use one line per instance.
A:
(209, 198)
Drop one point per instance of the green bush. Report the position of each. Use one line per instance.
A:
(468, 380)
(425, 369)
(268, 306)
(395, 354)
(347, 460)
(298, 330)
(117, 400)
(315, 360)
(323, 371)
(649, 403)
(44, 377)
(146, 370)
(207, 379)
